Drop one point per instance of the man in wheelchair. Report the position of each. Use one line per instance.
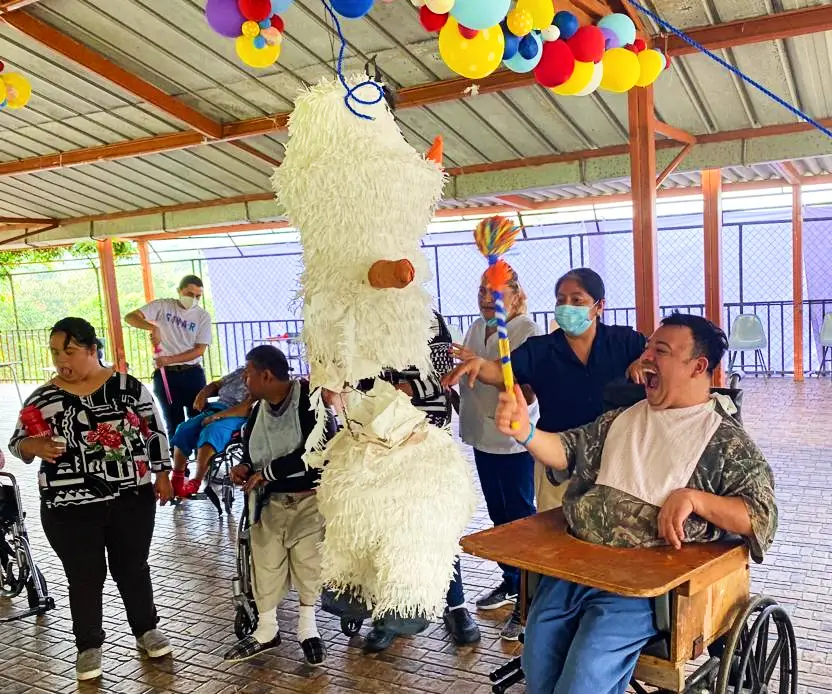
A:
(674, 468)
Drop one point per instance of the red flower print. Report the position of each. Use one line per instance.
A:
(144, 428)
(112, 439)
(91, 437)
(133, 419)
(141, 468)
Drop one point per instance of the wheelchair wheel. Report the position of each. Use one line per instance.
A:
(13, 576)
(350, 627)
(31, 589)
(760, 655)
(243, 624)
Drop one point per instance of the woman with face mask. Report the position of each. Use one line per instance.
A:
(505, 468)
(180, 331)
(569, 368)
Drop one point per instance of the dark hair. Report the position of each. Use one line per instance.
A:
(189, 279)
(589, 280)
(79, 330)
(709, 340)
(269, 358)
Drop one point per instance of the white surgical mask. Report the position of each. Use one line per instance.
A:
(188, 301)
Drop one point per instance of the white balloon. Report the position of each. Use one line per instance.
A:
(550, 33)
(417, 3)
(597, 75)
(440, 6)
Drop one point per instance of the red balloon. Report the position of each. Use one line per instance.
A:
(255, 10)
(556, 64)
(278, 23)
(639, 45)
(467, 33)
(587, 44)
(2, 66)
(430, 20)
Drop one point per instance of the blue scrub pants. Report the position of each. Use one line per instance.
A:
(582, 640)
(191, 435)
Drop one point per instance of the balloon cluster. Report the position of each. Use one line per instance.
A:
(475, 36)
(15, 90)
(255, 24)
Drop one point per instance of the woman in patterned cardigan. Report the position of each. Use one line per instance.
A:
(98, 501)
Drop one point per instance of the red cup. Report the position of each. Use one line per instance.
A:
(33, 422)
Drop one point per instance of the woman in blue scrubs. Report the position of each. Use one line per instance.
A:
(569, 368)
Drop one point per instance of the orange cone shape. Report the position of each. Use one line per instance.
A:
(436, 151)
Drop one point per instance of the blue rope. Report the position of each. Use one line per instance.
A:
(351, 91)
(739, 73)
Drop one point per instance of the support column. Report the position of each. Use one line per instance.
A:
(108, 278)
(643, 178)
(147, 275)
(797, 279)
(712, 224)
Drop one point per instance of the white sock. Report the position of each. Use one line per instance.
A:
(266, 626)
(456, 607)
(307, 627)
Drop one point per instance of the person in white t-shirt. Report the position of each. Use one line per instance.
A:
(505, 468)
(180, 331)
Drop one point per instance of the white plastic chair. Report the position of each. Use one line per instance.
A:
(825, 342)
(747, 335)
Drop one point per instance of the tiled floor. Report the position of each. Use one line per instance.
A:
(193, 559)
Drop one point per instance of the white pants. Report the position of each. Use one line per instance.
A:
(285, 550)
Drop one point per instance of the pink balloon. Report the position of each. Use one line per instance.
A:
(224, 17)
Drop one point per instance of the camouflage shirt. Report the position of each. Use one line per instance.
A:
(731, 465)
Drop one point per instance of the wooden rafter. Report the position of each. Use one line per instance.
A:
(805, 21)
(78, 53)
(673, 133)
(673, 165)
(788, 171)
(13, 5)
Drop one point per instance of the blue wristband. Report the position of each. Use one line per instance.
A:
(529, 438)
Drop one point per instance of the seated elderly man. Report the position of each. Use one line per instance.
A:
(674, 468)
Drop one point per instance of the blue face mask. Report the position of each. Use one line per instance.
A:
(573, 320)
(491, 323)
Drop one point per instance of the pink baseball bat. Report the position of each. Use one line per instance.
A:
(157, 351)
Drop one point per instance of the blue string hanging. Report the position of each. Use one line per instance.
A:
(351, 95)
(739, 73)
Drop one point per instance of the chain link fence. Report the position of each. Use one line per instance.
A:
(252, 290)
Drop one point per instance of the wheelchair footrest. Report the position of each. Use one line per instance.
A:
(503, 671)
(514, 678)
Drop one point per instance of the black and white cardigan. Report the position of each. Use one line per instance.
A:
(114, 439)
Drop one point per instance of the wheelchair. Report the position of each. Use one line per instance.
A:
(219, 489)
(701, 597)
(245, 608)
(18, 571)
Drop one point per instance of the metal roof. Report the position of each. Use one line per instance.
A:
(170, 46)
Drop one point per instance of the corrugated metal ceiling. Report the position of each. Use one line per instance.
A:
(170, 45)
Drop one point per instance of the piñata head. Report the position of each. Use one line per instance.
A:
(361, 198)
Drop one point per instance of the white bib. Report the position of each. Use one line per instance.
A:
(650, 453)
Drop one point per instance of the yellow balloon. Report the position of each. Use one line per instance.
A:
(251, 29)
(17, 88)
(439, 6)
(256, 57)
(520, 21)
(2, 91)
(621, 70)
(597, 76)
(652, 64)
(542, 11)
(472, 58)
(580, 79)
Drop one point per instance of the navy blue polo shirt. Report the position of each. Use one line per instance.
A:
(570, 392)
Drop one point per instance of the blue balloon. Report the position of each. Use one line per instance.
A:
(265, 24)
(621, 25)
(529, 46)
(512, 45)
(520, 64)
(567, 23)
(479, 14)
(259, 42)
(279, 6)
(4, 104)
(352, 9)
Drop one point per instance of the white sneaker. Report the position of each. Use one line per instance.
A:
(154, 643)
(88, 664)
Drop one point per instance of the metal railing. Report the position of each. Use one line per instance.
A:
(232, 340)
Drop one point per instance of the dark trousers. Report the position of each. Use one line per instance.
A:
(89, 536)
(184, 386)
(456, 592)
(507, 483)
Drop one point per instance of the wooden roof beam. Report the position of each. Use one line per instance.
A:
(673, 133)
(78, 53)
(13, 5)
(788, 171)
